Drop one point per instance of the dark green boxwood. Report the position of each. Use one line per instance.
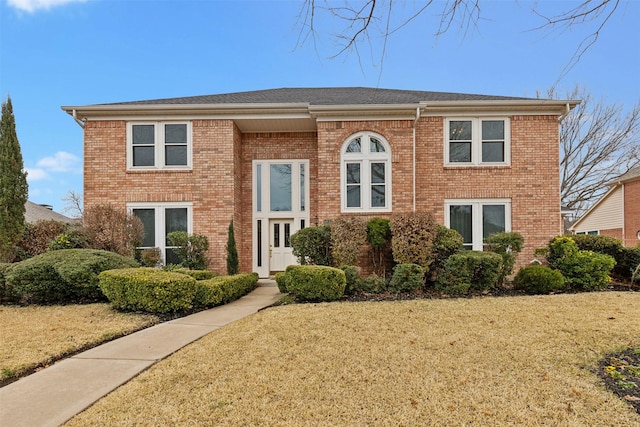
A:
(281, 281)
(406, 278)
(352, 275)
(373, 284)
(63, 276)
(470, 270)
(508, 245)
(312, 245)
(148, 289)
(447, 243)
(537, 279)
(315, 282)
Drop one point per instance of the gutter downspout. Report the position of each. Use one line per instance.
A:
(568, 110)
(415, 122)
(81, 123)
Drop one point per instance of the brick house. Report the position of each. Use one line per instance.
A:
(617, 213)
(275, 161)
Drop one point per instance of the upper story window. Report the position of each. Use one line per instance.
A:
(159, 145)
(477, 141)
(365, 173)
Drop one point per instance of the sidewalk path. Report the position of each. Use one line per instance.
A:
(54, 395)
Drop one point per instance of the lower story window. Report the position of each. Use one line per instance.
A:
(159, 220)
(476, 219)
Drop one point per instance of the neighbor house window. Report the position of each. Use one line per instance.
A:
(477, 219)
(366, 173)
(160, 219)
(477, 141)
(158, 145)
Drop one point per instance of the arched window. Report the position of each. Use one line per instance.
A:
(365, 173)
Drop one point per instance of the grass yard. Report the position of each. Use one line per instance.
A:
(34, 336)
(525, 361)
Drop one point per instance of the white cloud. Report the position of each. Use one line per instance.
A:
(36, 174)
(31, 6)
(61, 162)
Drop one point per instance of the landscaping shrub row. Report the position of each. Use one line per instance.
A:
(59, 277)
(157, 291)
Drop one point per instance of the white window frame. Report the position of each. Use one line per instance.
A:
(476, 216)
(159, 217)
(365, 158)
(159, 146)
(476, 141)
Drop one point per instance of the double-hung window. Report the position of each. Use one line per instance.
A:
(366, 173)
(159, 145)
(477, 141)
(160, 219)
(477, 219)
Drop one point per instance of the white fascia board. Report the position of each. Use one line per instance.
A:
(515, 107)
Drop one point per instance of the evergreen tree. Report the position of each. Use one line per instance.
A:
(13, 185)
(233, 266)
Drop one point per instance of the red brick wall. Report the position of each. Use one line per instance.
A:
(631, 213)
(220, 184)
(612, 232)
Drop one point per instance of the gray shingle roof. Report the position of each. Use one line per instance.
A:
(631, 174)
(35, 213)
(324, 96)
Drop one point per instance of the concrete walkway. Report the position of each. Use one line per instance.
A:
(54, 395)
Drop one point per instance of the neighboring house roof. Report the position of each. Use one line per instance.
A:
(35, 213)
(629, 176)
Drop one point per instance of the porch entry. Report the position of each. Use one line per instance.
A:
(280, 208)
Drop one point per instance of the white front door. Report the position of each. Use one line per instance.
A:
(280, 252)
(280, 208)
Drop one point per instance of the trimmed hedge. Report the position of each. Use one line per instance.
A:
(223, 289)
(148, 289)
(536, 279)
(281, 281)
(627, 259)
(6, 292)
(63, 276)
(470, 270)
(197, 274)
(406, 278)
(315, 282)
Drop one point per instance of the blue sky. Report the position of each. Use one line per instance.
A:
(75, 52)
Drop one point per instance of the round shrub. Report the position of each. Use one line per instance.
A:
(536, 279)
(315, 282)
(586, 270)
(447, 243)
(470, 270)
(352, 275)
(508, 245)
(312, 245)
(281, 281)
(373, 284)
(148, 289)
(406, 278)
(68, 275)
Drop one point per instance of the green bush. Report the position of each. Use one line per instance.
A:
(281, 281)
(508, 245)
(536, 279)
(223, 289)
(7, 293)
(406, 278)
(148, 289)
(582, 270)
(352, 275)
(64, 276)
(190, 249)
(447, 243)
(373, 284)
(73, 238)
(379, 237)
(197, 274)
(315, 283)
(470, 270)
(348, 239)
(626, 258)
(413, 235)
(312, 245)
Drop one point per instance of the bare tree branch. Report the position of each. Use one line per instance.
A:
(74, 204)
(598, 143)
